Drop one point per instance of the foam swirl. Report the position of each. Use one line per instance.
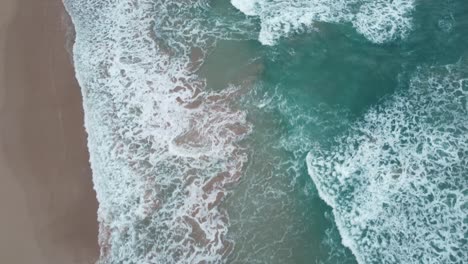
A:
(162, 148)
(397, 181)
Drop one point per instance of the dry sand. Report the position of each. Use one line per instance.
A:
(48, 206)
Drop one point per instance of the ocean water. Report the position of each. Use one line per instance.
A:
(272, 131)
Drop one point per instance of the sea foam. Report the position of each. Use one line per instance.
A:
(379, 21)
(397, 181)
(162, 148)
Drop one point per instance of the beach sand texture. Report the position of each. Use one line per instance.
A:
(46, 195)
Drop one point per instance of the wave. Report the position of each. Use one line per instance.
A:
(162, 147)
(379, 21)
(397, 181)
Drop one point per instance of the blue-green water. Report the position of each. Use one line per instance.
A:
(273, 131)
(313, 88)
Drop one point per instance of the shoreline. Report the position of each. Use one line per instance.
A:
(46, 185)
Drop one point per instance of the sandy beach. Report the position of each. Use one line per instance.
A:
(46, 195)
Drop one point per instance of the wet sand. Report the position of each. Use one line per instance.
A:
(46, 195)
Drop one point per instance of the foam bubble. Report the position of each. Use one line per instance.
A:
(246, 6)
(383, 21)
(162, 148)
(378, 20)
(397, 181)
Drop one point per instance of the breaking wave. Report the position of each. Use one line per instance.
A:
(397, 182)
(379, 21)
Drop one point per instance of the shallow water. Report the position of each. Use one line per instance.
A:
(306, 132)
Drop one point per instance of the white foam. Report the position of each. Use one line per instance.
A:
(397, 182)
(383, 21)
(378, 20)
(162, 149)
(246, 6)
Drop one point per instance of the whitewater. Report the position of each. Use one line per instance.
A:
(397, 180)
(378, 20)
(162, 148)
(269, 131)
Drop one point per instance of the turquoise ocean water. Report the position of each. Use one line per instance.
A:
(268, 131)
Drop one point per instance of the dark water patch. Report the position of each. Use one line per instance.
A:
(329, 67)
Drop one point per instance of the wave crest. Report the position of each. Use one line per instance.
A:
(397, 182)
(379, 21)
